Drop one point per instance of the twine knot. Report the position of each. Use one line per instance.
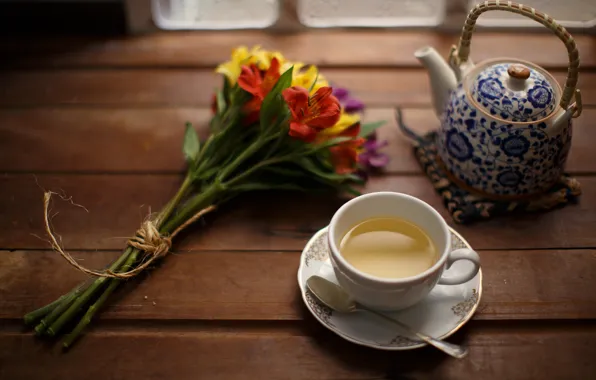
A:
(147, 239)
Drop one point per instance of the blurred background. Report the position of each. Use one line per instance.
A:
(114, 17)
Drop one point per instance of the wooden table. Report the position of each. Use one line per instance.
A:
(102, 120)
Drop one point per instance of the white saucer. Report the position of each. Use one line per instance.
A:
(442, 313)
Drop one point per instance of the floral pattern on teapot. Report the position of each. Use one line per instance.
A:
(496, 156)
(534, 101)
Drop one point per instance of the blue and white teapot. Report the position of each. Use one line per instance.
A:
(505, 123)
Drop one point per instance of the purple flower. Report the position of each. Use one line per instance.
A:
(340, 93)
(349, 103)
(353, 105)
(371, 157)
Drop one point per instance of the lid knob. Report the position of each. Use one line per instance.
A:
(518, 71)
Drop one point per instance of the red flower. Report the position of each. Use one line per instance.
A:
(311, 114)
(258, 84)
(345, 155)
(214, 103)
(352, 131)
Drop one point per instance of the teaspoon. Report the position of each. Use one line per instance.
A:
(337, 299)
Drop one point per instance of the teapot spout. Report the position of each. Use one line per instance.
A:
(442, 77)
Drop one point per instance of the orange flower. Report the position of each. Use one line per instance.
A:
(253, 81)
(345, 155)
(311, 114)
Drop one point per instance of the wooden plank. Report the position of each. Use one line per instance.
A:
(150, 88)
(326, 48)
(148, 140)
(496, 352)
(238, 285)
(258, 221)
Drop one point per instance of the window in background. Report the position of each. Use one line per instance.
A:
(214, 14)
(371, 13)
(292, 14)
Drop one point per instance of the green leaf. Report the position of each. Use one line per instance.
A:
(284, 81)
(350, 190)
(327, 176)
(356, 179)
(221, 101)
(315, 82)
(274, 106)
(191, 145)
(269, 186)
(368, 128)
(330, 143)
(226, 87)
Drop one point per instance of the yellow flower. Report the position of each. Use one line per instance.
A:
(242, 56)
(263, 59)
(231, 69)
(285, 66)
(345, 121)
(306, 78)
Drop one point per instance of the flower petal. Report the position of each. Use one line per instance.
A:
(250, 80)
(229, 69)
(353, 105)
(302, 132)
(346, 121)
(340, 93)
(374, 145)
(324, 109)
(271, 77)
(240, 54)
(297, 100)
(378, 160)
(342, 158)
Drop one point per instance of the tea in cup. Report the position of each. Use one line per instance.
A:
(389, 250)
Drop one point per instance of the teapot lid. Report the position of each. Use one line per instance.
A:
(516, 92)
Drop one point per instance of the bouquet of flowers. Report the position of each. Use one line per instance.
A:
(276, 124)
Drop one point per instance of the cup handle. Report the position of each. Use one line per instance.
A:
(461, 254)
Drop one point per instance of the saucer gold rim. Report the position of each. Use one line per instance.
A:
(456, 328)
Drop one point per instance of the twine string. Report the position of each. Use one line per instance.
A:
(147, 239)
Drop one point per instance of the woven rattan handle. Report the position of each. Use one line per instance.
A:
(461, 54)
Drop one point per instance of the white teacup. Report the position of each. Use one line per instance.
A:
(400, 293)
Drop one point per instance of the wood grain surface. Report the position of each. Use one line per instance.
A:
(497, 351)
(261, 285)
(127, 88)
(326, 48)
(101, 121)
(117, 205)
(148, 140)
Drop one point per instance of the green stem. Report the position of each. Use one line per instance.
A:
(96, 306)
(206, 197)
(171, 205)
(194, 205)
(278, 138)
(256, 167)
(254, 147)
(205, 148)
(56, 312)
(36, 315)
(70, 309)
(86, 296)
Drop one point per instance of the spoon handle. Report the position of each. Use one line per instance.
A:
(449, 348)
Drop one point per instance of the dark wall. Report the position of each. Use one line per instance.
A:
(24, 17)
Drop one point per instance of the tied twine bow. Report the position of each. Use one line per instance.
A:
(146, 239)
